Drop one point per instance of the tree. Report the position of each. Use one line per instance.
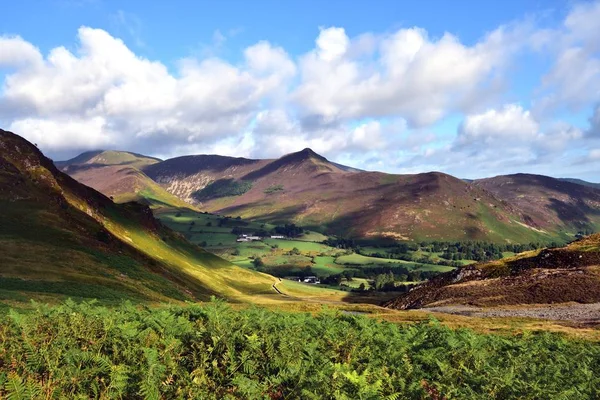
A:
(361, 287)
(295, 251)
(258, 262)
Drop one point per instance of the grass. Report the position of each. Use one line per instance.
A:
(300, 245)
(325, 265)
(358, 259)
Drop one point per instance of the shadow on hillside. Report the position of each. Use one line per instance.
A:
(574, 214)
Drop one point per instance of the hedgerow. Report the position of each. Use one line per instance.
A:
(214, 352)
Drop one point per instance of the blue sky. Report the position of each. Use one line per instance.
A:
(469, 88)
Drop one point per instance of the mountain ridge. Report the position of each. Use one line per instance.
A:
(307, 189)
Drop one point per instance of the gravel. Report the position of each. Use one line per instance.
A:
(581, 313)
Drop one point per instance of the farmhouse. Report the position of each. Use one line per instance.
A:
(277, 237)
(311, 279)
(247, 238)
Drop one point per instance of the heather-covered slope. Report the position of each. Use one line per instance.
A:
(307, 189)
(556, 275)
(548, 204)
(60, 238)
(117, 174)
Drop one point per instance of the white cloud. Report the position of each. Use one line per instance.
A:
(139, 101)
(332, 44)
(413, 76)
(16, 52)
(66, 134)
(574, 79)
(510, 123)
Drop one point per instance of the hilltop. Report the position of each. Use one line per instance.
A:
(60, 238)
(118, 174)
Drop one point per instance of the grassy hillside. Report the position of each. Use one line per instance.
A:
(62, 239)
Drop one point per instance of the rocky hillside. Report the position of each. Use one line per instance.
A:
(556, 275)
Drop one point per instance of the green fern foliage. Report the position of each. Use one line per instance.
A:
(211, 351)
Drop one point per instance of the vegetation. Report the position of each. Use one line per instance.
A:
(273, 189)
(222, 188)
(214, 352)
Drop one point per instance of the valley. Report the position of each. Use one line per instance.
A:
(135, 253)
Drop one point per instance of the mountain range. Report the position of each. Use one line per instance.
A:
(307, 189)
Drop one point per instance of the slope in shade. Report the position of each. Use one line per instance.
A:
(63, 239)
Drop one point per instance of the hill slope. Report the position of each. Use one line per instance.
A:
(557, 275)
(581, 182)
(117, 174)
(60, 238)
(546, 203)
(307, 189)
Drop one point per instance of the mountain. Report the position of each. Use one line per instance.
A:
(307, 189)
(60, 238)
(568, 274)
(548, 204)
(581, 182)
(117, 174)
(108, 157)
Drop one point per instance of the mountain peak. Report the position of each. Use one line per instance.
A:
(302, 155)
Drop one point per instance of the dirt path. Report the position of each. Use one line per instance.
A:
(575, 312)
(277, 289)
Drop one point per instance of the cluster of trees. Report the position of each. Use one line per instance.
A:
(289, 230)
(222, 188)
(384, 277)
(273, 189)
(212, 351)
(482, 251)
(452, 251)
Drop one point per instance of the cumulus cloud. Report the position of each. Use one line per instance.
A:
(412, 76)
(16, 52)
(510, 123)
(130, 101)
(574, 79)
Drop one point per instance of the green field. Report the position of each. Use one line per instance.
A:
(358, 259)
(279, 257)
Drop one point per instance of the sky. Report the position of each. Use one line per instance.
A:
(473, 89)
